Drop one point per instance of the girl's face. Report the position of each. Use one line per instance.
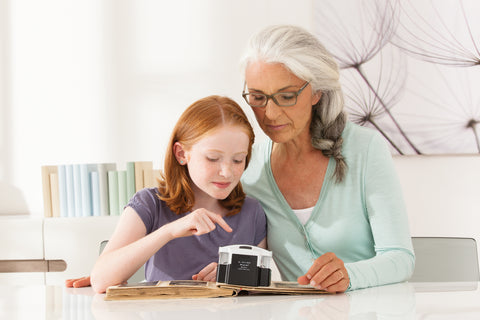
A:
(281, 124)
(217, 161)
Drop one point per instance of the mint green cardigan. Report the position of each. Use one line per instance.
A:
(362, 219)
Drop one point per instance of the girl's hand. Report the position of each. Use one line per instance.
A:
(78, 283)
(209, 273)
(198, 222)
(328, 272)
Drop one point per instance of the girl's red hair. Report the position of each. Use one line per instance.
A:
(198, 120)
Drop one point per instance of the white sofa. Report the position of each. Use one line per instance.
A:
(441, 194)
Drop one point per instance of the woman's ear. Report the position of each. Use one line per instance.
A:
(179, 152)
(316, 97)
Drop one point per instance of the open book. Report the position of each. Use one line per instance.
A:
(178, 289)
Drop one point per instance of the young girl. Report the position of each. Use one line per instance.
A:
(200, 205)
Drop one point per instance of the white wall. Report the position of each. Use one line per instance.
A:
(95, 81)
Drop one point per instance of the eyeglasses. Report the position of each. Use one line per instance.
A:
(281, 99)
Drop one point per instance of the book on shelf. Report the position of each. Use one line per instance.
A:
(55, 194)
(122, 190)
(130, 179)
(102, 169)
(77, 191)
(47, 189)
(95, 189)
(140, 168)
(113, 192)
(187, 289)
(150, 178)
(62, 190)
(70, 190)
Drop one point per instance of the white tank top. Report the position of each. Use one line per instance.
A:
(303, 214)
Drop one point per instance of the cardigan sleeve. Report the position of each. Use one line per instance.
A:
(394, 258)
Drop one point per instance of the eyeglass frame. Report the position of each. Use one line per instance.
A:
(272, 96)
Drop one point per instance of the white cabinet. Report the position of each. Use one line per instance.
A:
(77, 242)
(21, 238)
(73, 240)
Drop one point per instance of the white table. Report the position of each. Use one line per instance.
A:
(398, 301)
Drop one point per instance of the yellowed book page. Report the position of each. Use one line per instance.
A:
(277, 287)
(178, 289)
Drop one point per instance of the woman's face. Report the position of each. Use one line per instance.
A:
(216, 162)
(281, 124)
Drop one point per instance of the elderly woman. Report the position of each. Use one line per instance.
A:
(335, 212)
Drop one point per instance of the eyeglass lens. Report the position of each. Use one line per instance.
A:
(282, 99)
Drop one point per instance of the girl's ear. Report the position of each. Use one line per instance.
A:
(180, 153)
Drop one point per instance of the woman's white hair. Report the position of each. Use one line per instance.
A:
(303, 54)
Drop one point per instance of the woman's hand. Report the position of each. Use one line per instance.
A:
(78, 283)
(198, 222)
(209, 273)
(328, 272)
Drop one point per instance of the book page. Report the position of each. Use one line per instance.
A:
(277, 287)
(175, 289)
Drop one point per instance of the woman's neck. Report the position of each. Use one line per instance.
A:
(295, 149)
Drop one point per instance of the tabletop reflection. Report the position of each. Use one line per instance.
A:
(398, 301)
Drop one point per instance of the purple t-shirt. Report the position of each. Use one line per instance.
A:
(183, 257)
